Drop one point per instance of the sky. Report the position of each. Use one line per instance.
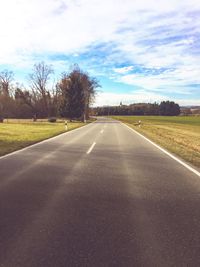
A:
(139, 50)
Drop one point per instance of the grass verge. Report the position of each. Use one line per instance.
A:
(180, 135)
(16, 135)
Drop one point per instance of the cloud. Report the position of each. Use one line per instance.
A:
(151, 44)
(141, 96)
(171, 80)
(123, 70)
(66, 26)
(114, 99)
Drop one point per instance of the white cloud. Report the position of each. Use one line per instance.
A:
(105, 98)
(150, 33)
(123, 70)
(176, 81)
(112, 99)
(58, 25)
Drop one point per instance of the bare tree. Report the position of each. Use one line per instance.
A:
(6, 78)
(39, 79)
(6, 98)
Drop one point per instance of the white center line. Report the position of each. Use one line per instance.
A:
(102, 131)
(90, 149)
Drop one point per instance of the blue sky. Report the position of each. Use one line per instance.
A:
(140, 51)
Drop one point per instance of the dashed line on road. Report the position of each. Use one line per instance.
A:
(45, 141)
(102, 131)
(91, 148)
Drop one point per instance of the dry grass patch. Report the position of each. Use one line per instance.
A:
(180, 135)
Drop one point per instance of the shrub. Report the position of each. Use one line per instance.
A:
(1, 119)
(52, 119)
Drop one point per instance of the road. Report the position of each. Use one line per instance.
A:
(98, 196)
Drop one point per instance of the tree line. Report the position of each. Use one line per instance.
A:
(70, 97)
(165, 108)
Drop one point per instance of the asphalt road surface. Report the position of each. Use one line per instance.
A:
(98, 196)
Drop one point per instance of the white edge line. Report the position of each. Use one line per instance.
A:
(165, 151)
(44, 141)
(90, 149)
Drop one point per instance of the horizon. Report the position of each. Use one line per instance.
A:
(146, 103)
(140, 52)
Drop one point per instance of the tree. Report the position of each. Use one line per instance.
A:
(77, 91)
(169, 108)
(39, 79)
(25, 107)
(6, 100)
(90, 84)
(6, 78)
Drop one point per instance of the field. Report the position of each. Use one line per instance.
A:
(16, 134)
(180, 135)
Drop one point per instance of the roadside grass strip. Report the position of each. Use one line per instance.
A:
(15, 136)
(166, 152)
(179, 135)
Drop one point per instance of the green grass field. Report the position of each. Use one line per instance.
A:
(180, 135)
(16, 134)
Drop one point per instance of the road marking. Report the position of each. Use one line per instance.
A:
(90, 149)
(166, 152)
(102, 131)
(45, 141)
